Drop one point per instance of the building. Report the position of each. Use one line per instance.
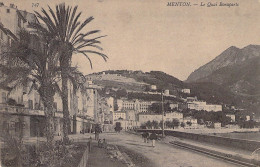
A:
(166, 92)
(136, 105)
(13, 20)
(24, 105)
(187, 91)
(127, 119)
(217, 125)
(174, 106)
(202, 105)
(153, 87)
(190, 122)
(191, 99)
(248, 118)
(232, 117)
(127, 125)
(145, 117)
(119, 115)
(190, 119)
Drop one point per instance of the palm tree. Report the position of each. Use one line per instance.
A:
(29, 62)
(64, 25)
(23, 66)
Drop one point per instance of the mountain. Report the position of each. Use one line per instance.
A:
(234, 69)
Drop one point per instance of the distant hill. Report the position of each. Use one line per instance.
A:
(118, 82)
(136, 80)
(235, 69)
(235, 74)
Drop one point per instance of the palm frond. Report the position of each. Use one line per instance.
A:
(88, 20)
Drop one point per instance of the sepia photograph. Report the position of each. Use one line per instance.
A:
(129, 83)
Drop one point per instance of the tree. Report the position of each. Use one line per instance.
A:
(157, 107)
(169, 124)
(183, 124)
(189, 123)
(23, 65)
(175, 123)
(148, 124)
(121, 93)
(155, 124)
(64, 26)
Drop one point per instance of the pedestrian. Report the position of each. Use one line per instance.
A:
(89, 143)
(97, 131)
(153, 137)
(143, 136)
(146, 137)
(99, 143)
(104, 144)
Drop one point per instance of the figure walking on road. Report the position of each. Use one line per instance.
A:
(97, 131)
(145, 136)
(153, 137)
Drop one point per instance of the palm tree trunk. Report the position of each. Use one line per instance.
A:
(47, 94)
(65, 64)
(66, 115)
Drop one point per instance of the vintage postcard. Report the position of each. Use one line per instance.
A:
(129, 83)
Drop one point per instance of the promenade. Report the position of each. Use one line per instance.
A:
(162, 155)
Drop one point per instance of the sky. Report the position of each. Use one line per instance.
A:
(149, 35)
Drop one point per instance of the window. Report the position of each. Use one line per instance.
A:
(4, 97)
(19, 22)
(55, 106)
(7, 10)
(2, 34)
(30, 104)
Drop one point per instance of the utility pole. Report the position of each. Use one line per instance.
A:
(162, 116)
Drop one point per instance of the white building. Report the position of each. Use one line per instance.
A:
(187, 91)
(202, 105)
(153, 87)
(167, 92)
(174, 106)
(193, 122)
(190, 119)
(119, 115)
(217, 125)
(158, 117)
(138, 106)
(232, 117)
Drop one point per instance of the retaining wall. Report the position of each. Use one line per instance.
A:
(249, 145)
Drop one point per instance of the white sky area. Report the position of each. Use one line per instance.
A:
(149, 35)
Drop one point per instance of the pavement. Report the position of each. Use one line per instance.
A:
(162, 155)
(100, 157)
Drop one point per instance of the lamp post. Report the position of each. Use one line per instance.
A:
(162, 116)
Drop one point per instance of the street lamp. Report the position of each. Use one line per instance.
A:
(162, 116)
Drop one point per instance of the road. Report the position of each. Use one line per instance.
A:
(163, 155)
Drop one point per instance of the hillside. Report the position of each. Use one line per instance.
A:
(136, 80)
(235, 73)
(235, 69)
(240, 78)
(122, 83)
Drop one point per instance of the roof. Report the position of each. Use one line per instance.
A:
(5, 87)
(22, 17)
(7, 31)
(30, 17)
